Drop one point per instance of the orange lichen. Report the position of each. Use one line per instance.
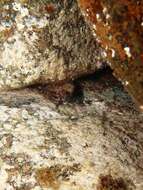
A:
(109, 183)
(50, 8)
(49, 177)
(5, 34)
(118, 27)
(47, 8)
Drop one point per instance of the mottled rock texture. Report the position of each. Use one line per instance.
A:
(118, 26)
(93, 143)
(44, 41)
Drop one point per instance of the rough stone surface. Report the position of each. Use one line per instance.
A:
(44, 41)
(92, 142)
(118, 26)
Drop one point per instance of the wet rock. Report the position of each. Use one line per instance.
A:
(118, 26)
(95, 145)
(44, 42)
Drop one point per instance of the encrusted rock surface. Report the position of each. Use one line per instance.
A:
(93, 143)
(118, 26)
(44, 41)
(83, 136)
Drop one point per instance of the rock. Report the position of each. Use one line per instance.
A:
(95, 144)
(118, 26)
(44, 42)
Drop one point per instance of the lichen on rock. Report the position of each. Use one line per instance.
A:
(118, 26)
(93, 145)
(44, 42)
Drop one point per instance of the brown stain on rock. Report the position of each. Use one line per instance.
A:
(107, 182)
(52, 176)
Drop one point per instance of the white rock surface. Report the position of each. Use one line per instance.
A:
(96, 144)
(44, 42)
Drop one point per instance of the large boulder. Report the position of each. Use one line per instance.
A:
(93, 144)
(44, 42)
(118, 26)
